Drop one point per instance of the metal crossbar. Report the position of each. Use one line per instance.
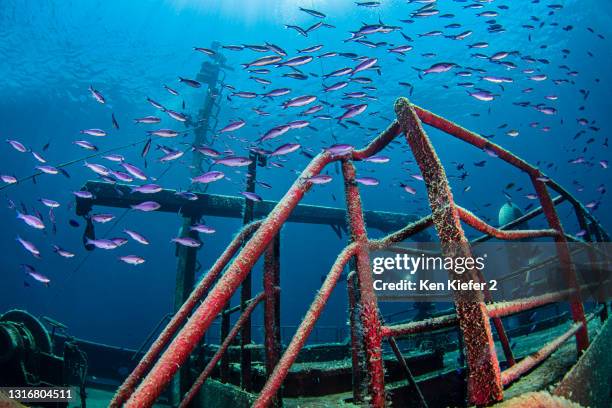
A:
(485, 380)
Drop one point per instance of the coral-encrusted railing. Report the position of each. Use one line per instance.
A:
(473, 310)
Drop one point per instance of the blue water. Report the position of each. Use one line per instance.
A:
(52, 51)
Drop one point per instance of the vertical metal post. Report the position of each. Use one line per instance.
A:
(356, 333)
(271, 281)
(576, 307)
(369, 304)
(484, 380)
(185, 278)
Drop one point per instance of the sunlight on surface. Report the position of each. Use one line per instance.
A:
(254, 11)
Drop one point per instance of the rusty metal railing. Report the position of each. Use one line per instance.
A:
(485, 380)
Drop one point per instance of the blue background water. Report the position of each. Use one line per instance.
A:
(51, 51)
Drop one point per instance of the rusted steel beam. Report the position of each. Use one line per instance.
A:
(379, 142)
(528, 363)
(501, 309)
(127, 388)
(403, 234)
(422, 326)
(120, 196)
(275, 381)
(187, 339)
(242, 320)
(407, 372)
(370, 321)
(576, 306)
(271, 280)
(526, 217)
(356, 332)
(484, 382)
(474, 139)
(511, 235)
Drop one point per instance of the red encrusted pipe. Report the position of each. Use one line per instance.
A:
(187, 339)
(484, 382)
(474, 139)
(370, 321)
(403, 234)
(501, 309)
(563, 252)
(422, 326)
(275, 381)
(244, 317)
(127, 388)
(379, 143)
(528, 363)
(511, 235)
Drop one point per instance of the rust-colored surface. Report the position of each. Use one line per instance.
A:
(484, 382)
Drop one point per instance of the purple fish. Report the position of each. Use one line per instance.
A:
(285, 149)
(267, 60)
(8, 178)
(187, 241)
(30, 247)
(94, 132)
(62, 252)
(353, 111)
(136, 236)
(367, 181)
(96, 95)
(320, 179)
(148, 120)
(296, 61)
(29, 269)
(164, 133)
(146, 206)
(83, 194)
(365, 64)
(17, 145)
(97, 168)
(132, 259)
(49, 203)
(191, 82)
(147, 189)
(134, 171)
(208, 177)
(277, 92)
(299, 101)
(205, 229)
(233, 126)
(85, 145)
(207, 151)
(377, 159)
(275, 132)
(47, 169)
(340, 149)
(234, 161)
(102, 243)
(439, 68)
(102, 218)
(31, 220)
(121, 176)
